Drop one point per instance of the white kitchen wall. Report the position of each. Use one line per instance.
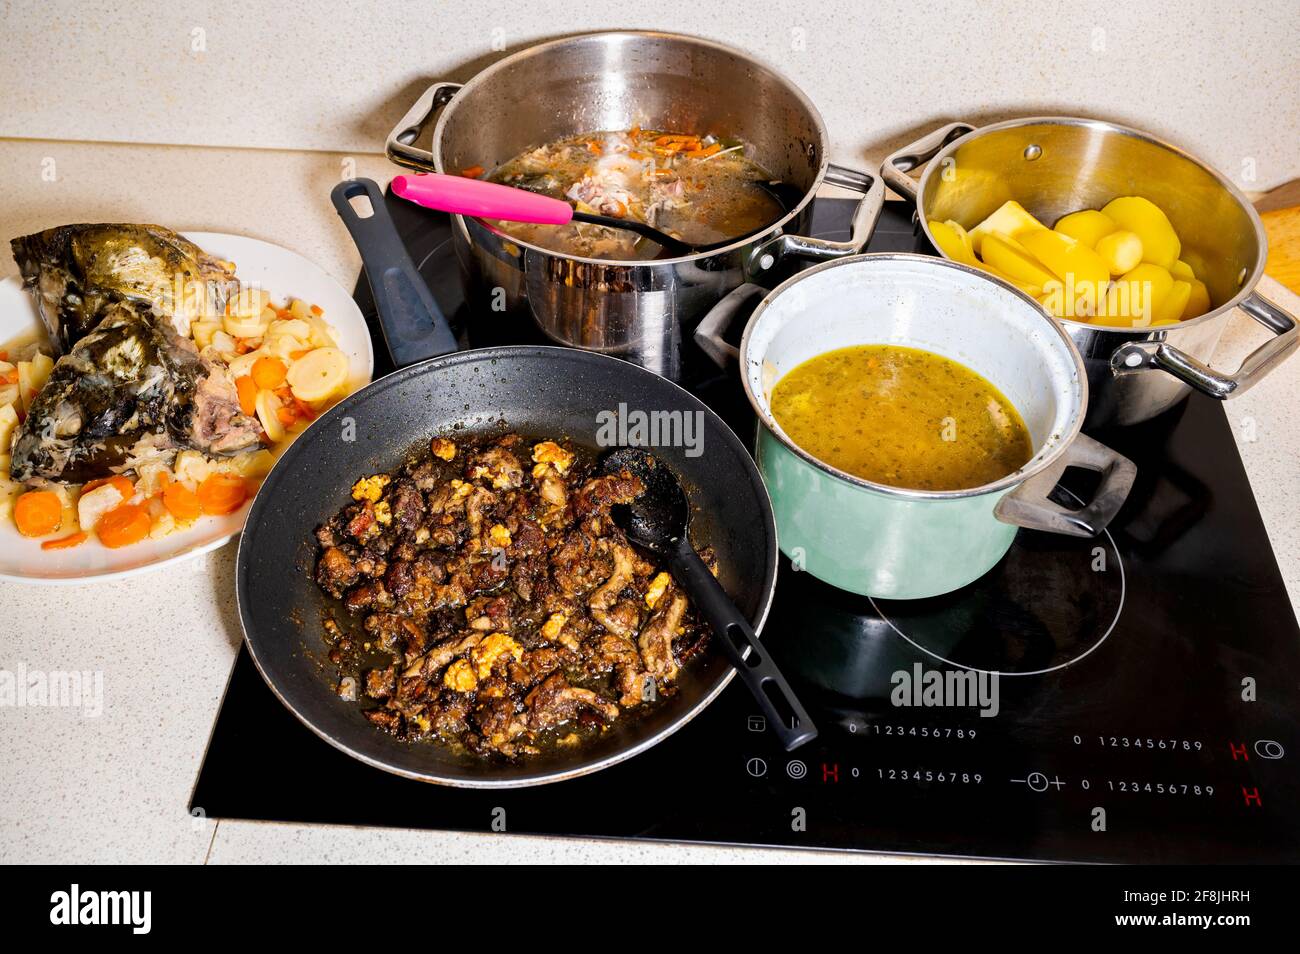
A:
(1222, 79)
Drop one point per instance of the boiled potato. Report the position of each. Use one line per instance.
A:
(1160, 245)
(267, 407)
(1182, 270)
(249, 303)
(8, 422)
(953, 241)
(1170, 310)
(1065, 257)
(1198, 302)
(1009, 219)
(202, 332)
(1121, 251)
(1028, 288)
(318, 374)
(1088, 226)
(1008, 256)
(1134, 297)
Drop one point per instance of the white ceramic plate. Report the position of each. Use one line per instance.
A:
(280, 272)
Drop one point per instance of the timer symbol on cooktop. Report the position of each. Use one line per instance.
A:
(1038, 782)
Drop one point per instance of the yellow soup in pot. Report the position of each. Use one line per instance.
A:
(903, 417)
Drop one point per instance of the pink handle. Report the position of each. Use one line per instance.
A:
(489, 200)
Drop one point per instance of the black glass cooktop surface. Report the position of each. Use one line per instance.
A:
(1148, 708)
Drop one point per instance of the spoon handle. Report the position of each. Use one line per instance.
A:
(785, 714)
(490, 200)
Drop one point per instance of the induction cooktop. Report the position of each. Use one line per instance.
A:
(1147, 707)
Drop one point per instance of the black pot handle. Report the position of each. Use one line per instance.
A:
(414, 326)
(731, 631)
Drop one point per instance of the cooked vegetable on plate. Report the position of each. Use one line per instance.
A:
(172, 388)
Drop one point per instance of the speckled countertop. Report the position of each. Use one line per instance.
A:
(114, 788)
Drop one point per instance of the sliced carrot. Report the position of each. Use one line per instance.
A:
(38, 512)
(123, 485)
(317, 310)
(269, 373)
(295, 355)
(472, 172)
(9, 377)
(304, 410)
(123, 525)
(181, 502)
(4, 355)
(64, 543)
(247, 390)
(222, 493)
(286, 414)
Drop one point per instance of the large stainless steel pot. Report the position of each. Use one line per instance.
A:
(1055, 165)
(643, 310)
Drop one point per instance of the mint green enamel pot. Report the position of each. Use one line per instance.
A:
(900, 543)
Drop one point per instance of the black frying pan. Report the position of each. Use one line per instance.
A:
(537, 391)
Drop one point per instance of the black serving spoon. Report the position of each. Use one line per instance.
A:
(659, 520)
(492, 200)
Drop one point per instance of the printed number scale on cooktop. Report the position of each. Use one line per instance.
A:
(1126, 730)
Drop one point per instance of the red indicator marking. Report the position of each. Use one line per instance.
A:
(1251, 795)
(831, 773)
(1239, 750)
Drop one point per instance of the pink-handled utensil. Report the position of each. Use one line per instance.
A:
(490, 200)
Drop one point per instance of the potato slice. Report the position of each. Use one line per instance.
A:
(1034, 291)
(318, 374)
(1136, 296)
(1182, 270)
(267, 406)
(202, 332)
(1198, 302)
(953, 241)
(1088, 226)
(1121, 251)
(1160, 245)
(1009, 219)
(1010, 257)
(8, 423)
(1067, 258)
(1171, 308)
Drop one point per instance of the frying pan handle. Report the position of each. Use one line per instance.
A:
(414, 326)
(732, 632)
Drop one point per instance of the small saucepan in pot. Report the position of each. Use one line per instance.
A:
(641, 310)
(899, 543)
(1057, 165)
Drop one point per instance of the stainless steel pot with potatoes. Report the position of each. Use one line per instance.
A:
(1197, 238)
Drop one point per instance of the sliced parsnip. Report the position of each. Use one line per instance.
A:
(8, 422)
(318, 374)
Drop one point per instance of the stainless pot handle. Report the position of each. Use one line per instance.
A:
(767, 255)
(1028, 505)
(1141, 355)
(401, 141)
(709, 333)
(899, 164)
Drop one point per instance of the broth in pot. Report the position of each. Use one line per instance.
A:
(701, 189)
